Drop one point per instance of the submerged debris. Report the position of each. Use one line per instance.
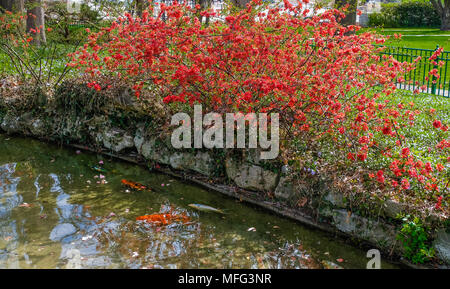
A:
(25, 205)
(99, 169)
(205, 208)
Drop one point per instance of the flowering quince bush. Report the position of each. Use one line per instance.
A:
(328, 83)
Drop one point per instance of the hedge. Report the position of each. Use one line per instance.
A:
(414, 13)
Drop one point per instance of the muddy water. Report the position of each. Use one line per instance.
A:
(57, 212)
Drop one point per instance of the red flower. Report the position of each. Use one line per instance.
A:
(363, 140)
(362, 156)
(167, 99)
(380, 176)
(405, 152)
(428, 167)
(405, 184)
(437, 123)
(438, 203)
(387, 130)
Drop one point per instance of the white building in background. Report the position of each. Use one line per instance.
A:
(372, 6)
(369, 7)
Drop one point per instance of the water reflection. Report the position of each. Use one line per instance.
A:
(55, 212)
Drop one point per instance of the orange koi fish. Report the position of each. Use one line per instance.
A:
(134, 186)
(164, 219)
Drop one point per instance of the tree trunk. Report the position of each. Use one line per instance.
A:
(7, 4)
(350, 14)
(36, 21)
(204, 4)
(12, 5)
(139, 7)
(445, 23)
(443, 9)
(240, 3)
(445, 18)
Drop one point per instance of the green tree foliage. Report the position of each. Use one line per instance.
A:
(415, 241)
(412, 13)
(70, 27)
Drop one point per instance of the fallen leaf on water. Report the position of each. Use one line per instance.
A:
(330, 265)
(85, 238)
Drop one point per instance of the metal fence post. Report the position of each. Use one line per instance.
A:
(433, 79)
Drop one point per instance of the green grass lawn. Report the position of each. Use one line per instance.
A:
(411, 37)
(419, 38)
(45, 61)
(6, 65)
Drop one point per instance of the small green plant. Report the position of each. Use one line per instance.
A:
(415, 241)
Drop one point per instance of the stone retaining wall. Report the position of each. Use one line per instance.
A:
(245, 172)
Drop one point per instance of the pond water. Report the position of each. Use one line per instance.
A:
(57, 212)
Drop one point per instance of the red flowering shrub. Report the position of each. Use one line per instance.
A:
(326, 82)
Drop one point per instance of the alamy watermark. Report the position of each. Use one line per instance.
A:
(213, 135)
(375, 261)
